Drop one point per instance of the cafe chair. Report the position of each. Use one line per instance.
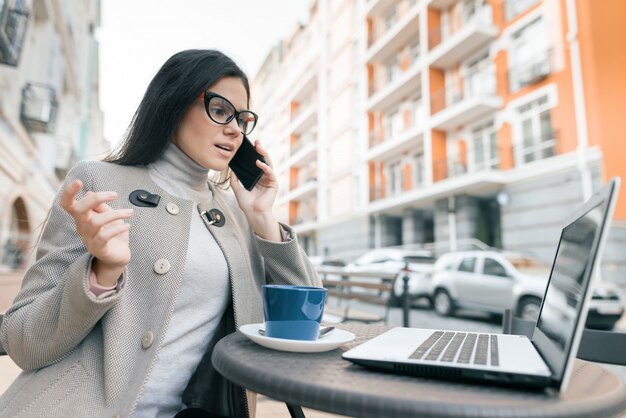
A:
(595, 345)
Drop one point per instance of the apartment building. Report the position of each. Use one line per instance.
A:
(49, 111)
(447, 123)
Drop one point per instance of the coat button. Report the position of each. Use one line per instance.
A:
(147, 340)
(172, 208)
(161, 266)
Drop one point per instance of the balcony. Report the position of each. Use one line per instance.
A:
(303, 189)
(534, 70)
(304, 119)
(441, 4)
(396, 145)
(465, 102)
(397, 88)
(475, 32)
(399, 35)
(39, 107)
(303, 151)
(13, 23)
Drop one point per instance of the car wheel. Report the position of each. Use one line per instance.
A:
(443, 303)
(528, 308)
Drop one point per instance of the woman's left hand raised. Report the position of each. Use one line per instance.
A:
(258, 203)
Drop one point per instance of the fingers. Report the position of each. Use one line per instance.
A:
(263, 152)
(98, 221)
(91, 201)
(69, 194)
(110, 231)
(234, 182)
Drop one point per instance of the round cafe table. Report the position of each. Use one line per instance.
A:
(326, 382)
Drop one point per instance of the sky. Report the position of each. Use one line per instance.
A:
(137, 36)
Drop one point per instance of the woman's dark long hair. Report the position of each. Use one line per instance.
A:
(170, 93)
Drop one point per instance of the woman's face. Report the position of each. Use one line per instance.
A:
(210, 144)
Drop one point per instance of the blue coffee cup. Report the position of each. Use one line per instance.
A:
(293, 312)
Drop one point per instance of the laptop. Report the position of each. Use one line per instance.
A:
(543, 361)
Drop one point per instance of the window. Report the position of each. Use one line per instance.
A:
(418, 110)
(418, 168)
(515, 7)
(395, 178)
(394, 124)
(390, 19)
(392, 70)
(535, 135)
(415, 51)
(480, 77)
(529, 55)
(494, 268)
(468, 264)
(484, 151)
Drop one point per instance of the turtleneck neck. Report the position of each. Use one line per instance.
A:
(185, 177)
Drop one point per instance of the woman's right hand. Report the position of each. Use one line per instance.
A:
(102, 229)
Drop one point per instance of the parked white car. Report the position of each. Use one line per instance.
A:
(386, 260)
(420, 273)
(493, 281)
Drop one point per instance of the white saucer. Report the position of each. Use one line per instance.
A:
(335, 339)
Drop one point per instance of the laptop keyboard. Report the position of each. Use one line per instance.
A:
(459, 347)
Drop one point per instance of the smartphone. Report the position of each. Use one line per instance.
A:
(244, 164)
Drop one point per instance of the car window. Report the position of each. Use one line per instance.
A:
(468, 264)
(494, 268)
(419, 259)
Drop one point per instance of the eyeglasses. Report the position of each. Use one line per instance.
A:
(222, 111)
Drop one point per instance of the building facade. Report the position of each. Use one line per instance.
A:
(50, 115)
(447, 124)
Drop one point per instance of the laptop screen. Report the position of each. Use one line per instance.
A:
(568, 283)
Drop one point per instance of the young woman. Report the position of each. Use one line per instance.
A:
(144, 264)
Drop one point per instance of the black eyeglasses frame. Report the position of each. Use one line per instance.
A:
(208, 95)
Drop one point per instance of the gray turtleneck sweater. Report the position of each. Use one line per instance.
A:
(203, 297)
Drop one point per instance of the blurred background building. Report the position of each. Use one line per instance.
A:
(446, 124)
(50, 115)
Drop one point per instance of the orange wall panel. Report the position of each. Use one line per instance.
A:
(293, 212)
(407, 177)
(437, 92)
(434, 28)
(501, 62)
(602, 39)
(440, 169)
(505, 147)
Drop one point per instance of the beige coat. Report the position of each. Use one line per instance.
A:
(84, 356)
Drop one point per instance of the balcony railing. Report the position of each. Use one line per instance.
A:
(383, 78)
(13, 23)
(301, 143)
(417, 117)
(39, 107)
(531, 72)
(482, 16)
(513, 8)
(478, 84)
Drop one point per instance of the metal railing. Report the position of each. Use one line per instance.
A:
(532, 71)
(481, 16)
(478, 84)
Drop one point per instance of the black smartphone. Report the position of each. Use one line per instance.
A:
(244, 164)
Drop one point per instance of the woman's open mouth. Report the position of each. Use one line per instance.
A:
(226, 149)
